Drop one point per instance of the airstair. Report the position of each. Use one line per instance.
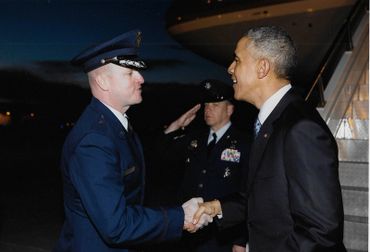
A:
(345, 108)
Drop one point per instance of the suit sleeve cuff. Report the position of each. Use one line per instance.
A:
(174, 218)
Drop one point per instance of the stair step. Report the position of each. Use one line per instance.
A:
(354, 174)
(352, 150)
(355, 236)
(355, 202)
(354, 181)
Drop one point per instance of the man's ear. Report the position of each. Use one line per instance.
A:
(102, 83)
(230, 109)
(263, 68)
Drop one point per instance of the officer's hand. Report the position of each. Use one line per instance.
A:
(183, 120)
(211, 208)
(237, 248)
(189, 208)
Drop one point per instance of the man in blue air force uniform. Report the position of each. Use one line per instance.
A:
(215, 161)
(102, 162)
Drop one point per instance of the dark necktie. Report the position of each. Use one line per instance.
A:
(129, 128)
(257, 127)
(211, 144)
(130, 134)
(131, 139)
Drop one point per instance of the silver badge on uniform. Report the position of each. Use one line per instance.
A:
(194, 144)
(227, 172)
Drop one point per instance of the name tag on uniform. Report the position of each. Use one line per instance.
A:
(231, 155)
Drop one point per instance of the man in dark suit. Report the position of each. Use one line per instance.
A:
(293, 200)
(102, 162)
(214, 159)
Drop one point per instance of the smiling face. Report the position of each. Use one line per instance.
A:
(243, 71)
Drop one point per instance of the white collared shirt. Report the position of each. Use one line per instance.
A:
(269, 105)
(219, 132)
(121, 117)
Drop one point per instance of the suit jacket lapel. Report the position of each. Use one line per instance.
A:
(261, 141)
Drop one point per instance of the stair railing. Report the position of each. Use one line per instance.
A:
(341, 43)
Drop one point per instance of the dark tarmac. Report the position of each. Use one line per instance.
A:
(31, 202)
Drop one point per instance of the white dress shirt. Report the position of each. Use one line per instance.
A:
(121, 117)
(269, 105)
(219, 132)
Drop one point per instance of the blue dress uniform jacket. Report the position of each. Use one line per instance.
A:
(221, 173)
(293, 195)
(103, 181)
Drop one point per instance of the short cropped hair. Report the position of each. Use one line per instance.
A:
(274, 44)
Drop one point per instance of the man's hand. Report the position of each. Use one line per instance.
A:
(183, 120)
(237, 248)
(211, 208)
(190, 207)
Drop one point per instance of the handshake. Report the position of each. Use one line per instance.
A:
(198, 213)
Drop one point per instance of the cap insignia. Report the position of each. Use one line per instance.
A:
(138, 39)
(132, 63)
(207, 85)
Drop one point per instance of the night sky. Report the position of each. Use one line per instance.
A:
(41, 36)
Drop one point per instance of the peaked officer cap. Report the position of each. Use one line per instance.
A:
(216, 91)
(121, 50)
